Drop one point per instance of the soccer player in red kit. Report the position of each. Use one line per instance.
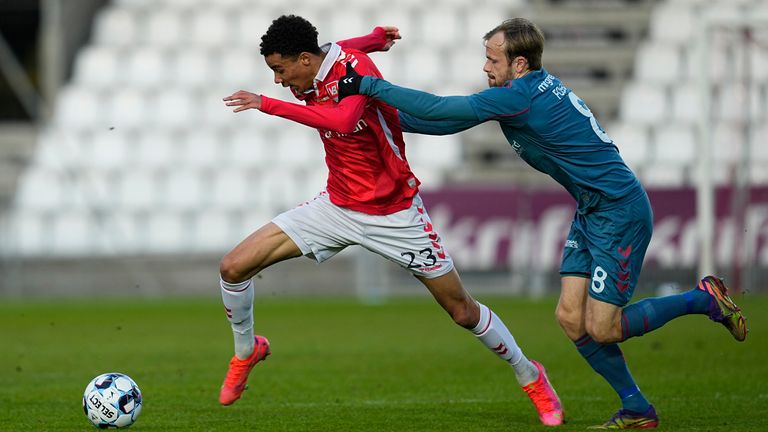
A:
(371, 199)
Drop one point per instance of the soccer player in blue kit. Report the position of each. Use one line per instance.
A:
(554, 131)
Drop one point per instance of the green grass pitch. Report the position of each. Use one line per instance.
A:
(337, 365)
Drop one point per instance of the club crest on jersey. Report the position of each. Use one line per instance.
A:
(332, 88)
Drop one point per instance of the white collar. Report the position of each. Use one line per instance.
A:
(332, 51)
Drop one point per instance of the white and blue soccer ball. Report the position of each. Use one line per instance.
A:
(112, 400)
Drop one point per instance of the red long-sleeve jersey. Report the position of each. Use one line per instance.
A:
(364, 147)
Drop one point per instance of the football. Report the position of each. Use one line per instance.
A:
(112, 400)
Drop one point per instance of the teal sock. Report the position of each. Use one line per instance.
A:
(647, 315)
(608, 361)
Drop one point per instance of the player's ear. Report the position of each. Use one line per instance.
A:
(305, 59)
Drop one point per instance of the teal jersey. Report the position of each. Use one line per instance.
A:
(548, 126)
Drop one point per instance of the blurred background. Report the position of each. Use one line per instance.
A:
(123, 173)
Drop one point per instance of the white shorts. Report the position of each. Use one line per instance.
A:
(322, 229)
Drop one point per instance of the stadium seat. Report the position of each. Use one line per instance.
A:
(210, 28)
(633, 143)
(214, 231)
(174, 108)
(344, 23)
(758, 142)
(728, 143)
(109, 149)
(424, 64)
(93, 189)
(139, 190)
(719, 174)
(663, 175)
(248, 147)
(441, 27)
(298, 147)
(78, 109)
(128, 109)
(192, 67)
(165, 28)
(59, 149)
(29, 233)
(238, 68)
(98, 67)
(673, 22)
(482, 20)
(438, 152)
(389, 64)
(644, 104)
(735, 102)
(73, 233)
(466, 67)
(675, 144)
(42, 189)
(116, 27)
(135, 5)
(314, 180)
(399, 17)
(230, 188)
(661, 63)
(758, 173)
(146, 68)
(167, 232)
(185, 190)
(154, 148)
(279, 189)
(249, 25)
(203, 149)
(686, 103)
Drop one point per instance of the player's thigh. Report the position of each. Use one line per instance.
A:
(571, 307)
(617, 240)
(409, 239)
(320, 228)
(264, 247)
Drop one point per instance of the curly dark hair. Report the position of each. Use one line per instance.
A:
(289, 36)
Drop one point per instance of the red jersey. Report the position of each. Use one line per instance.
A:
(364, 147)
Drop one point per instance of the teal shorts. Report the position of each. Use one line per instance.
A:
(608, 245)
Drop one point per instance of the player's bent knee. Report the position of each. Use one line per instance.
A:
(462, 314)
(602, 334)
(570, 321)
(230, 271)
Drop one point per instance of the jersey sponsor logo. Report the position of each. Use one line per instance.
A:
(361, 124)
(546, 83)
(560, 91)
(572, 244)
(332, 88)
(517, 147)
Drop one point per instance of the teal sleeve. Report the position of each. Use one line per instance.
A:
(414, 124)
(418, 103)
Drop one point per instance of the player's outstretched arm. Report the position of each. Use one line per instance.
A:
(417, 103)
(413, 124)
(341, 118)
(380, 39)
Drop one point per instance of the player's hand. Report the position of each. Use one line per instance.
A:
(391, 34)
(349, 84)
(243, 100)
